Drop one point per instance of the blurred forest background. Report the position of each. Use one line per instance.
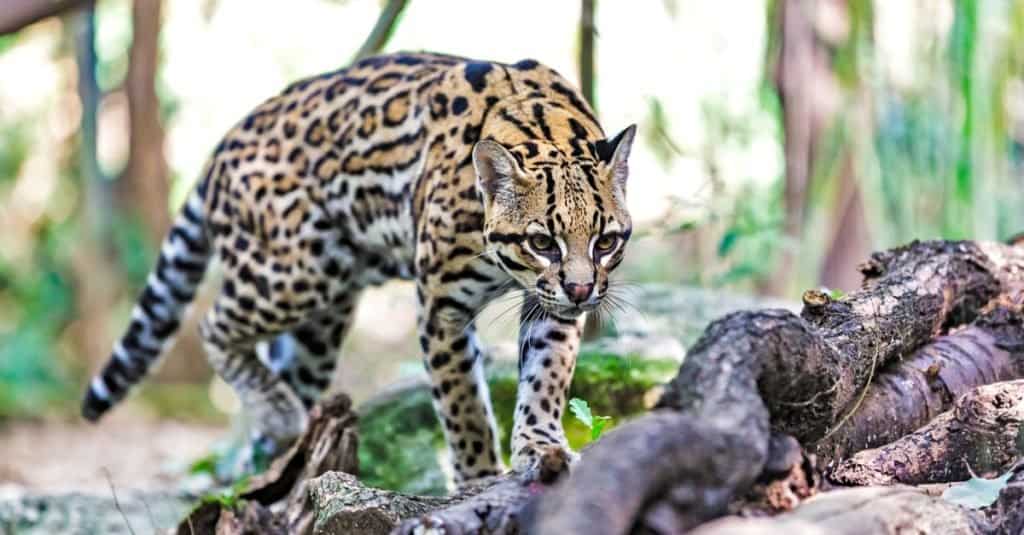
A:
(782, 141)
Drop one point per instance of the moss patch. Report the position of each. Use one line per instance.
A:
(401, 442)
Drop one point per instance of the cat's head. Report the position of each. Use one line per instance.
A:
(555, 215)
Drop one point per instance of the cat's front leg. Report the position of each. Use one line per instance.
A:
(454, 362)
(547, 358)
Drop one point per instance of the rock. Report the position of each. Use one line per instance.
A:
(81, 514)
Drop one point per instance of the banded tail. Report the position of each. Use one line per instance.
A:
(170, 288)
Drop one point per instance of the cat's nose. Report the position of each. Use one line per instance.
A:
(578, 293)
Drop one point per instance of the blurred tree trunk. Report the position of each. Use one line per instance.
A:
(587, 31)
(803, 80)
(93, 268)
(144, 184)
(850, 238)
(812, 98)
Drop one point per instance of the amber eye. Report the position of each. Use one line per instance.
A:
(606, 243)
(541, 242)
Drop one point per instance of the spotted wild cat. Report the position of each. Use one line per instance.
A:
(472, 178)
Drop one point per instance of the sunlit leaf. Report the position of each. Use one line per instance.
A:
(581, 410)
(976, 492)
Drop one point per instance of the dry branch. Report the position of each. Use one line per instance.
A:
(346, 506)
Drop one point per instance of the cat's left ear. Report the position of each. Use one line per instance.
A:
(615, 153)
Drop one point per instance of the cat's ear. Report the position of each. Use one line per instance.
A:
(614, 153)
(496, 168)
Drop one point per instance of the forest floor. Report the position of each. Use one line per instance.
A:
(57, 456)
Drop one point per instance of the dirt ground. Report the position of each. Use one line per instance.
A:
(127, 449)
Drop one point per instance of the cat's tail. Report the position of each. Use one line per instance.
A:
(169, 290)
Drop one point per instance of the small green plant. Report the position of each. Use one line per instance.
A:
(228, 498)
(835, 294)
(581, 410)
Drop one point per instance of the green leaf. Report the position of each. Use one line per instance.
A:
(976, 492)
(204, 465)
(599, 423)
(835, 294)
(581, 410)
(728, 242)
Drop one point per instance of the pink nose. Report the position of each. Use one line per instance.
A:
(578, 293)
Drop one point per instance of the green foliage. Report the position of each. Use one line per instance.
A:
(656, 133)
(182, 402)
(133, 249)
(581, 410)
(37, 303)
(835, 294)
(977, 492)
(206, 464)
(409, 463)
(751, 239)
(15, 143)
(227, 498)
(401, 443)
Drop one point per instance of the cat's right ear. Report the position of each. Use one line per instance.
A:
(496, 169)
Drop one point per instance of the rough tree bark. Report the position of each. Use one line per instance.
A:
(328, 444)
(981, 433)
(905, 397)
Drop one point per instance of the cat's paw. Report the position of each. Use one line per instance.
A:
(544, 463)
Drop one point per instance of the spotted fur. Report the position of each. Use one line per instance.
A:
(472, 178)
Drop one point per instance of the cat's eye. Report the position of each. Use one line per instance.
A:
(606, 243)
(541, 242)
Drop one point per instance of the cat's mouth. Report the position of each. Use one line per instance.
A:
(571, 311)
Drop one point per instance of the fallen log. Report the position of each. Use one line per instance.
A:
(909, 393)
(982, 433)
(751, 376)
(752, 369)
